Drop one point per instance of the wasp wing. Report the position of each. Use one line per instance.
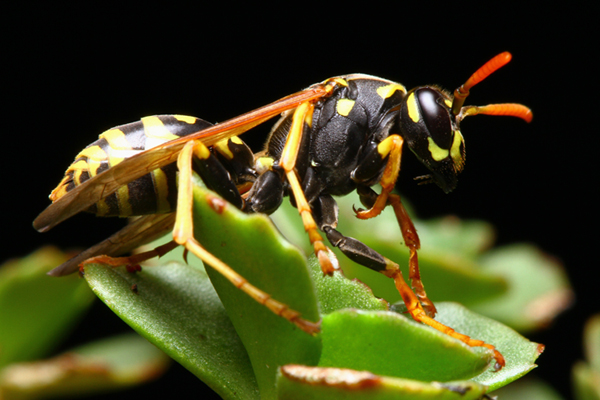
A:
(141, 231)
(102, 185)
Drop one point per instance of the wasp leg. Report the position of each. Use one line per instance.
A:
(302, 117)
(411, 240)
(417, 312)
(183, 233)
(391, 148)
(133, 260)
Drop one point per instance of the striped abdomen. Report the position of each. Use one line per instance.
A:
(153, 193)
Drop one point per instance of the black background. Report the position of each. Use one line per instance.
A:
(73, 72)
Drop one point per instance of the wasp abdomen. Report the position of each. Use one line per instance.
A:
(155, 192)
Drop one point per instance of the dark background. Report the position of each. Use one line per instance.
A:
(74, 72)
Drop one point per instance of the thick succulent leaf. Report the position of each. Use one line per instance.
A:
(101, 366)
(175, 307)
(520, 353)
(539, 287)
(417, 351)
(386, 343)
(309, 383)
(32, 302)
(253, 247)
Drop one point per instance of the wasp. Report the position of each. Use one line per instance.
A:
(343, 134)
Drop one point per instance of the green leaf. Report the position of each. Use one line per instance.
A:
(105, 365)
(37, 310)
(175, 307)
(299, 382)
(252, 246)
(520, 353)
(386, 343)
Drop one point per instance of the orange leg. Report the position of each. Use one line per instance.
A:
(133, 260)
(411, 240)
(418, 314)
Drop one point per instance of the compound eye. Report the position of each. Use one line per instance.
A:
(435, 114)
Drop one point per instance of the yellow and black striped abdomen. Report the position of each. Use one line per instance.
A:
(153, 193)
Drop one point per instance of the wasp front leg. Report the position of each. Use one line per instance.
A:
(183, 234)
(389, 149)
(325, 211)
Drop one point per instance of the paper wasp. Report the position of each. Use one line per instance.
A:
(341, 135)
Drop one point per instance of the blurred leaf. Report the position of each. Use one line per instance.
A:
(37, 310)
(176, 308)
(527, 388)
(105, 365)
(586, 375)
(538, 287)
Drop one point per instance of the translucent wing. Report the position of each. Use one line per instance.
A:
(102, 185)
(139, 232)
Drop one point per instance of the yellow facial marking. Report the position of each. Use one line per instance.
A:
(116, 139)
(388, 90)
(344, 106)
(437, 153)
(185, 118)
(455, 153)
(413, 108)
(162, 190)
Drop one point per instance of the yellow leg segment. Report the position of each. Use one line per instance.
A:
(303, 116)
(183, 234)
(392, 147)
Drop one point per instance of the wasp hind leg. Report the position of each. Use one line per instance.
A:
(183, 234)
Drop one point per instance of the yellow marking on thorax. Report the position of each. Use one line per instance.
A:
(388, 90)
(344, 106)
(263, 164)
(222, 147)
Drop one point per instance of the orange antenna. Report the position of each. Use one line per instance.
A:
(509, 109)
